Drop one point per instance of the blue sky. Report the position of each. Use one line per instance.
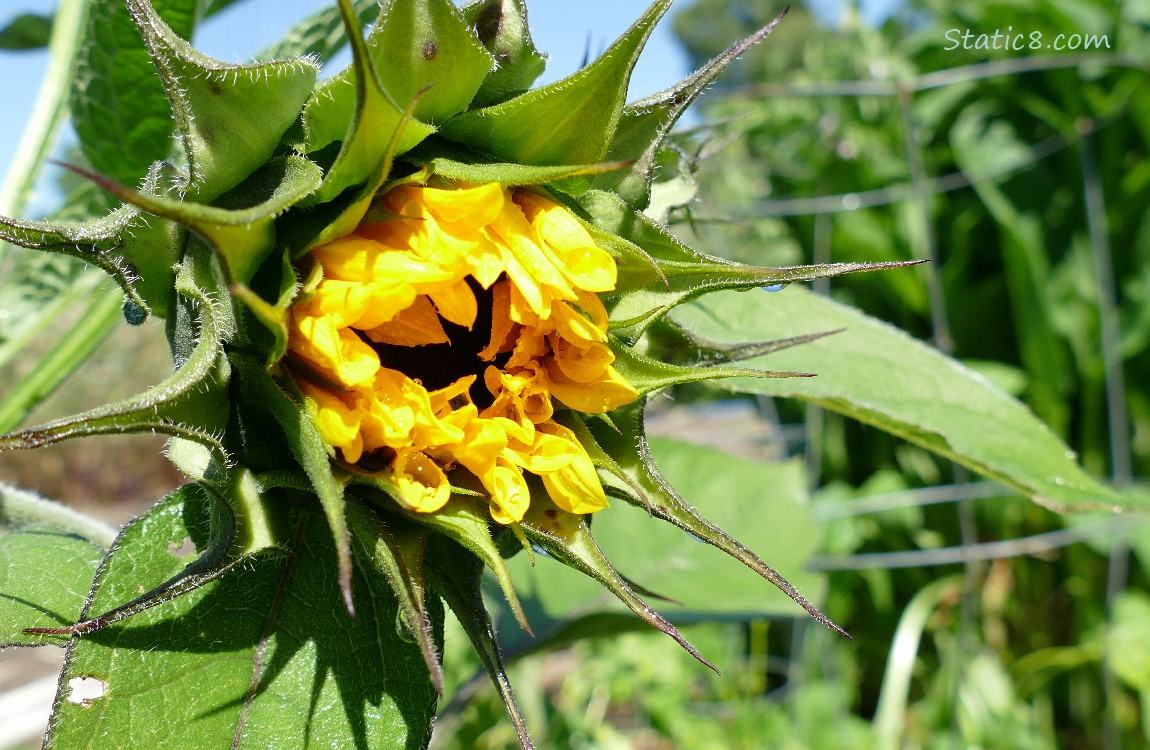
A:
(564, 29)
(561, 29)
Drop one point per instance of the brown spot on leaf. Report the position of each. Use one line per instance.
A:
(430, 50)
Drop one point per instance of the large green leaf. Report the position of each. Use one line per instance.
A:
(119, 108)
(264, 657)
(880, 375)
(763, 503)
(45, 575)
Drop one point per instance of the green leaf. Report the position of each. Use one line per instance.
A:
(119, 108)
(571, 121)
(45, 575)
(464, 520)
(26, 31)
(262, 657)
(658, 272)
(213, 561)
(766, 502)
(426, 43)
(648, 375)
(180, 405)
(1127, 650)
(297, 420)
(242, 228)
(353, 109)
(879, 375)
(506, 173)
(230, 117)
(645, 124)
(502, 27)
(20, 509)
(97, 242)
(622, 453)
(567, 538)
(395, 550)
(455, 574)
(102, 312)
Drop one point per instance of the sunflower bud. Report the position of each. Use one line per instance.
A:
(409, 299)
(449, 335)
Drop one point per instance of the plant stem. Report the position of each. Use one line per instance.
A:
(44, 123)
(22, 508)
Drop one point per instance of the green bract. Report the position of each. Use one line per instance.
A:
(306, 572)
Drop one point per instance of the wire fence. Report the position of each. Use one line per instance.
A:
(820, 213)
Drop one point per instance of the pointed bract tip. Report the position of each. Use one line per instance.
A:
(345, 594)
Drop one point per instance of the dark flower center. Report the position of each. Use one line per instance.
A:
(439, 365)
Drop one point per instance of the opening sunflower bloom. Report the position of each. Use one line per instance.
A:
(456, 340)
(439, 344)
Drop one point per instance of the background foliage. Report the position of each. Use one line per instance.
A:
(979, 618)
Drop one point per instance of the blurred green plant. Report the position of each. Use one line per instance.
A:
(1025, 177)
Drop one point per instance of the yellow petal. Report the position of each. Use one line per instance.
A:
(510, 496)
(571, 325)
(530, 264)
(390, 420)
(591, 398)
(416, 325)
(429, 429)
(583, 262)
(422, 485)
(575, 487)
(521, 397)
(483, 442)
(443, 398)
(336, 352)
(338, 424)
(456, 303)
(581, 364)
(473, 207)
(529, 348)
(592, 307)
(549, 453)
(356, 258)
(501, 322)
(359, 304)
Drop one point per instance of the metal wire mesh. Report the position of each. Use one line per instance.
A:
(963, 492)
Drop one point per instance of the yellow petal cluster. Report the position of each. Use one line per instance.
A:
(387, 292)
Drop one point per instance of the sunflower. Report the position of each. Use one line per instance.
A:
(416, 300)
(449, 335)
